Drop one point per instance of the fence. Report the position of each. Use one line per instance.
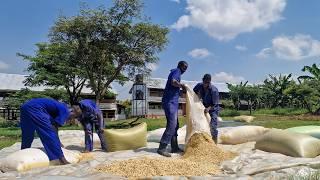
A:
(10, 114)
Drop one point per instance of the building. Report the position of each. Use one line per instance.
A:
(11, 83)
(147, 95)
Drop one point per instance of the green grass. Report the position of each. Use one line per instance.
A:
(5, 141)
(274, 111)
(229, 112)
(152, 123)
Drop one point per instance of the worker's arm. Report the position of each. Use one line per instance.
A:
(176, 83)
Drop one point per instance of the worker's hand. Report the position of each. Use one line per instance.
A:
(206, 110)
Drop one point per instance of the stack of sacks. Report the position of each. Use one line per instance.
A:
(126, 139)
(241, 134)
(289, 143)
(313, 131)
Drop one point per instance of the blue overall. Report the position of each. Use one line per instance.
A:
(210, 98)
(170, 104)
(92, 117)
(40, 114)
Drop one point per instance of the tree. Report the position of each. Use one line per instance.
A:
(274, 88)
(237, 93)
(313, 81)
(15, 100)
(313, 70)
(112, 44)
(55, 65)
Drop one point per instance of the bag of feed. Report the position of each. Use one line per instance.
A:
(242, 134)
(244, 118)
(289, 143)
(313, 131)
(197, 120)
(71, 156)
(125, 139)
(24, 160)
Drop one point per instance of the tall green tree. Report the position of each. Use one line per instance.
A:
(313, 81)
(313, 70)
(112, 44)
(55, 65)
(237, 93)
(274, 87)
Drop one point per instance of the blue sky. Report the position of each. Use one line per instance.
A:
(234, 40)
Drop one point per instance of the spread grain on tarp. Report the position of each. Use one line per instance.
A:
(201, 158)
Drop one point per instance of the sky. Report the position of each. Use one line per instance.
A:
(233, 40)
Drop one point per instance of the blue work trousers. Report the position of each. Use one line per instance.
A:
(214, 125)
(171, 112)
(33, 119)
(88, 125)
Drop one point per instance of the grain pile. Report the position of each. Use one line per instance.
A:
(202, 157)
(86, 156)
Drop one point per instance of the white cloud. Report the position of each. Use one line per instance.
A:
(225, 19)
(227, 78)
(241, 48)
(264, 53)
(152, 66)
(3, 65)
(199, 53)
(293, 48)
(177, 1)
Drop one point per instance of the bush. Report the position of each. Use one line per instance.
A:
(4, 123)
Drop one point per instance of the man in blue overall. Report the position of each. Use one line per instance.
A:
(90, 116)
(44, 116)
(170, 104)
(209, 95)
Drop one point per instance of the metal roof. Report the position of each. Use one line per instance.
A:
(160, 83)
(14, 82)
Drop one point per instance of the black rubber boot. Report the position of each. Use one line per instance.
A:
(174, 145)
(215, 139)
(162, 150)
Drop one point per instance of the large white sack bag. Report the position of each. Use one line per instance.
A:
(242, 134)
(289, 143)
(197, 121)
(155, 135)
(24, 160)
(244, 118)
(71, 156)
(221, 131)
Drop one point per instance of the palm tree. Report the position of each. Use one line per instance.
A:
(315, 76)
(313, 70)
(275, 86)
